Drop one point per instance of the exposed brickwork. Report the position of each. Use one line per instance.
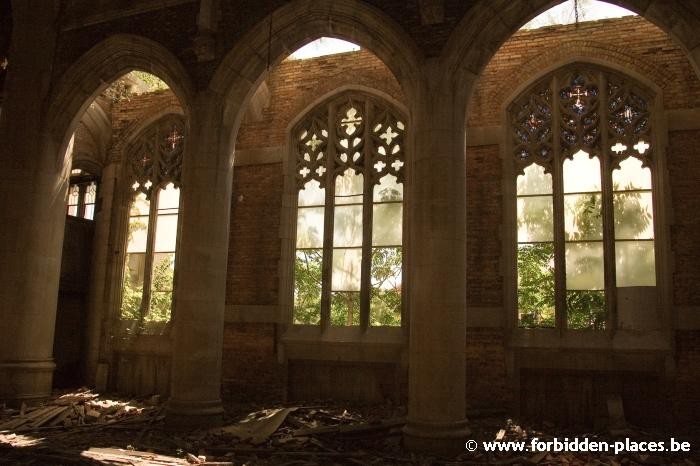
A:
(254, 246)
(631, 42)
(684, 172)
(487, 385)
(130, 114)
(295, 84)
(250, 367)
(484, 200)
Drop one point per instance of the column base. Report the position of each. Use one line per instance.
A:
(184, 415)
(25, 381)
(436, 438)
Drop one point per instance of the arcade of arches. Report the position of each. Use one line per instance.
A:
(461, 215)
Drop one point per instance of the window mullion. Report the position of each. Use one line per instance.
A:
(150, 244)
(558, 212)
(367, 213)
(608, 211)
(329, 214)
(82, 191)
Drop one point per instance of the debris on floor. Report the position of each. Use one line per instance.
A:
(82, 428)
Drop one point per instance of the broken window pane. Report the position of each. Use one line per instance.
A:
(388, 190)
(132, 286)
(345, 308)
(385, 294)
(583, 219)
(536, 285)
(633, 215)
(307, 286)
(635, 264)
(387, 224)
(310, 227)
(631, 176)
(349, 188)
(535, 219)
(347, 226)
(161, 287)
(347, 269)
(584, 266)
(582, 174)
(312, 194)
(585, 310)
(137, 234)
(534, 181)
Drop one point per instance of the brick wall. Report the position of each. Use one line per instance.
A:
(632, 43)
(295, 84)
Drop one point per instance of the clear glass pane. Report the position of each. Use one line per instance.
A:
(631, 175)
(582, 174)
(73, 210)
(169, 197)
(307, 286)
(349, 188)
(89, 211)
(73, 194)
(347, 226)
(137, 234)
(385, 293)
(535, 219)
(345, 308)
(90, 193)
(310, 227)
(584, 266)
(387, 224)
(312, 194)
(536, 285)
(585, 310)
(132, 287)
(534, 181)
(166, 233)
(347, 269)
(140, 205)
(633, 215)
(388, 189)
(583, 219)
(635, 264)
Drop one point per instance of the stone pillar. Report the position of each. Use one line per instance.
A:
(198, 323)
(33, 186)
(98, 306)
(437, 264)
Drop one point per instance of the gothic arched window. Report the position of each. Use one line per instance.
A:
(582, 148)
(154, 162)
(349, 156)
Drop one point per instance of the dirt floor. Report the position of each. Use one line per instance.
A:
(84, 428)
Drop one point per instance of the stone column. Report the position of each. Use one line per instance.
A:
(201, 269)
(33, 186)
(98, 306)
(437, 262)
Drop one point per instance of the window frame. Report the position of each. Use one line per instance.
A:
(83, 181)
(560, 335)
(160, 173)
(324, 331)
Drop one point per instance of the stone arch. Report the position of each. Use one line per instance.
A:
(102, 64)
(604, 55)
(490, 23)
(295, 24)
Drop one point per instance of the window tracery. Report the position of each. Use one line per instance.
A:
(349, 179)
(154, 166)
(582, 152)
